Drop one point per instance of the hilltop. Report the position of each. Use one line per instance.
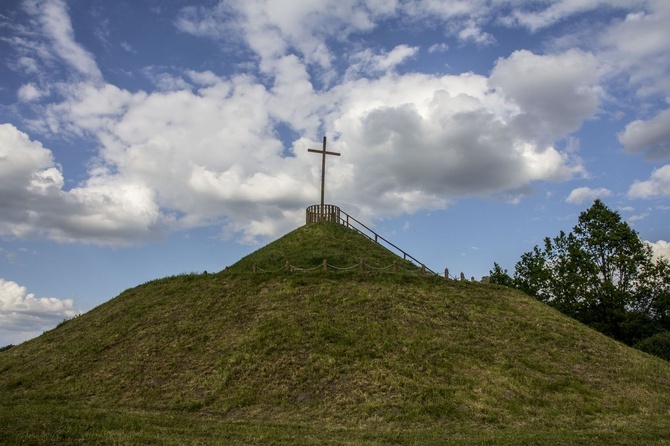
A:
(307, 247)
(328, 357)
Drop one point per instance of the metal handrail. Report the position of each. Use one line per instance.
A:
(378, 237)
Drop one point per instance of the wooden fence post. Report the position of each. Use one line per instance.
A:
(325, 265)
(253, 268)
(395, 266)
(362, 265)
(423, 269)
(288, 266)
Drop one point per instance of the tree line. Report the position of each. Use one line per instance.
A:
(603, 275)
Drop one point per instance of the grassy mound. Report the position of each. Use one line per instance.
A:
(328, 358)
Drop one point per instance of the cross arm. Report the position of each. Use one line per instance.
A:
(323, 151)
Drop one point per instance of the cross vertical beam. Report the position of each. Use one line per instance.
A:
(323, 153)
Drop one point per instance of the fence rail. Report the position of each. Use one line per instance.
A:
(362, 266)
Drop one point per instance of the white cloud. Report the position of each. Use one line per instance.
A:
(634, 218)
(473, 32)
(24, 316)
(660, 248)
(586, 194)
(269, 27)
(417, 140)
(86, 109)
(366, 62)
(636, 47)
(168, 82)
(271, 30)
(538, 16)
(554, 93)
(463, 19)
(203, 78)
(438, 48)
(181, 159)
(55, 24)
(104, 210)
(656, 186)
(652, 136)
(127, 47)
(28, 93)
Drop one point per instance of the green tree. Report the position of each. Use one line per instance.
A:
(500, 276)
(602, 274)
(658, 345)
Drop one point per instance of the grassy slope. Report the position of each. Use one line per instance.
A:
(307, 247)
(328, 358)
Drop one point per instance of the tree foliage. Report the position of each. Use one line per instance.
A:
(601, 274)
(658, 345)
(500, 276)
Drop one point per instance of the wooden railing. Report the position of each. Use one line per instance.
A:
(326, 212)
(330, 212)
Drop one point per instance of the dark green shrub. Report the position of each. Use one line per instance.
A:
(658, 345)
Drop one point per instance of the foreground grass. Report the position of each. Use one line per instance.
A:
(328, 358)
(77, 425)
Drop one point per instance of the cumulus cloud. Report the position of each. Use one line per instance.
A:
(554, 93)
(24, 316)
(105, 209)
(435, 138)
(660, 249)
(656, 186)
(651, 137)
(187, 158)
(586, 194)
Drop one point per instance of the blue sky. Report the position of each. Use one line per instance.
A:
(141, 139)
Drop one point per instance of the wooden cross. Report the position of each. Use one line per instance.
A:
(323, 168)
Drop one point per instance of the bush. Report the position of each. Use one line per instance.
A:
(658, 345)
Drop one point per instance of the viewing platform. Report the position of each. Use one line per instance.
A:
(325, 212)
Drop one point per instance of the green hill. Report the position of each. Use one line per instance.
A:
(328, 357)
